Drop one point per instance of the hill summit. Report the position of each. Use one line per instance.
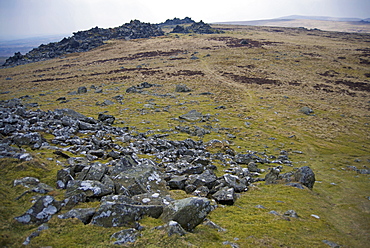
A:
(83, 41)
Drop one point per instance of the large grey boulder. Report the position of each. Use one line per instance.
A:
(41, 212)
(91, 188)
(83, 214)
(305, 176)
(112, 214)
(188, 212)
(143, 178)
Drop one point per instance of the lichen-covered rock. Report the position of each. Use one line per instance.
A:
(143, 178)
(89, 187)
(41, 212)
(111, 214)
(225, 196)
(188, 212)
(125, 236)
(83, 214)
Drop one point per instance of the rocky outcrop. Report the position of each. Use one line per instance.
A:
(83, 41)
(176, 21)
(198, 28)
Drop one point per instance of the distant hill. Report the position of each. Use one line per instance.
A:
(10, 46)
(320, 18)
(354, 25)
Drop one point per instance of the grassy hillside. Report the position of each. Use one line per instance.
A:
(262, 83)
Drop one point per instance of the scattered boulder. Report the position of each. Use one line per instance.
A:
(192, 116)
(182, 88)
(188, 212)
(106, 119)
(81, 90)
(225, 196)
(306, 110)
(305, 176)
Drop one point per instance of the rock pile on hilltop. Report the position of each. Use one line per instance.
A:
(177, 21)
(83, 41)
(198, 28)
(127, 186)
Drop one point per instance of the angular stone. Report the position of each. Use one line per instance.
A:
(188, 212)
(177, 182)
(41, 212)
(225, 196)
(27, 182)
(238, 184)
(72, 201)
(89, 187)
(143, 178)
(305, 176)
(63, 177)
(272, 176)
(174, 228)
(83, 214)
(106, 119)
(291, 213)
(192, 116)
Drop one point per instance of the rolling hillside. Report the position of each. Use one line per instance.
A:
(264, 91)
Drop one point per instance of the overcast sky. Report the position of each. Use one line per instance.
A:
(41, 17)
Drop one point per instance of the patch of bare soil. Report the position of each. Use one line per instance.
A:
(186, 73)
(144, 71)
(52, 79)
(141, 55)
(358, 86)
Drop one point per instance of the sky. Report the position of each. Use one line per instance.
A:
(27, 18)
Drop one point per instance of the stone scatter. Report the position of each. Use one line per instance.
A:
(129, 187)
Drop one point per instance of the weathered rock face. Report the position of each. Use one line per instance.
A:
(188, 212)
(83, 41)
